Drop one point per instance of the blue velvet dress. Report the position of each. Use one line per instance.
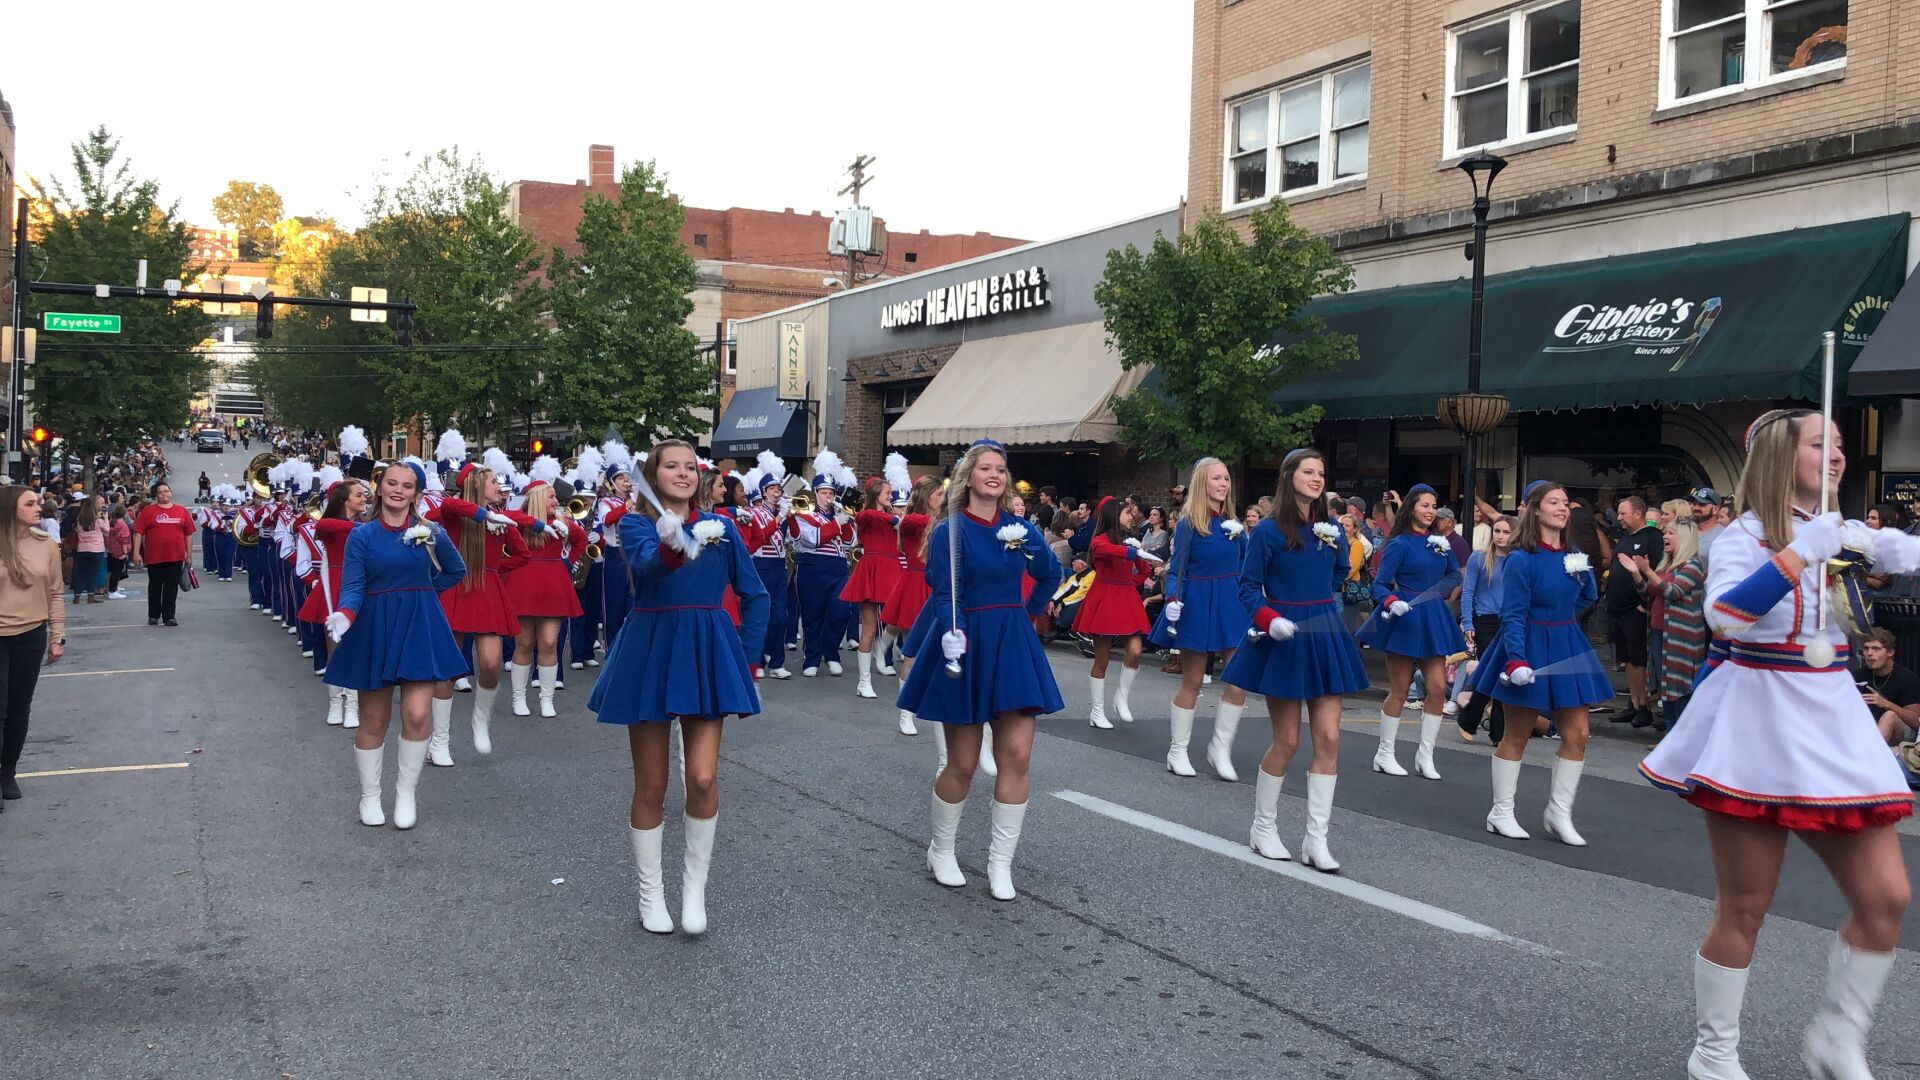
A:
(1204, 575)
(1538, 628)
(1280, 582)
(678, 652)
(1005, 669)
(1413, 570)
(399, 633)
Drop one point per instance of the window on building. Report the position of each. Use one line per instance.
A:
(1706, 43)
(913, 256)
(700, 239)
(1299, 137)
(1514, 77)
(732, 347)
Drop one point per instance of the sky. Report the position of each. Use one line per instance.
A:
(1025, 118)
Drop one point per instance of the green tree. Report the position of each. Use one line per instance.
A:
(97, 392)
(625, 356)
(251, 209)
(1200, 309)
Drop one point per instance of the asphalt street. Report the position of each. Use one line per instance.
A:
(217, 910)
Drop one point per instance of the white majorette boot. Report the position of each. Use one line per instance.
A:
(1122, 707)
(1313, 848)
(646, 867)
(368, 763)
(693, 880)
(1717, 995)
(336, 705)
(881, 643)
(1559, 820)
(1097, 716)
(350, 719)
(1506, 779)
(482, 716)
(1429, 734)
(1226, 721)
(987, 764)
(864, 688)
(1384, 760)
(1181, 727)
(440, 743)
(517, 677)
(549, 683)
(1007, 819)
(907, 726)
(940, 743)
(946, 825)
(1265, 838)
(413, 758)
(1836, 1046)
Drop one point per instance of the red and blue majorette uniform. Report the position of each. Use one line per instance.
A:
(680, 654)
(1005, 669)
(390, 588)
(1418, 569)
(542, 587)
(910, 591)
(1767, 736)
(1112, 606)
(325, 547)
(820, 542)
(482, 607)
(1204, 577)
(615, 594)
(878, 569)
(1542, 593)
(766, 542)
(1282, 582)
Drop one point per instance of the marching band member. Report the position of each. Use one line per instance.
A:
(875, 574)
(207, 515)
(227, 548)
(763, 530)
(541, 591)
(323, 561)
(819, 538)
(910, 591)
(1777, 741)
(615, 490)
(1203, 614)
(491, 548)
(996, 671)
(1536, 665)
(1304, 656)
(680, 658)
(584, 629)
(390, 633)
(1112, 608)
(1413, 625)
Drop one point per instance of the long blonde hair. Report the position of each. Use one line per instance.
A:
(957, 491)
(1686, 544)
(1766, 484)
(539, 507)
(473, 538)
(1198, 511)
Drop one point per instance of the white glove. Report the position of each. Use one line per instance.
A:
(1133, 542)
(1174, 608)
(1399, 608)
(1893, 552)
(953, 644)
(1281, 629)
(1520, 676)
(1147, 556)
(1818, 540)
(338, 624)
(674, 536)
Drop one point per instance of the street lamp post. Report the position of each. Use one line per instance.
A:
(1472, 413)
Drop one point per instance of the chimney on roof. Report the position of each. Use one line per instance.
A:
(599, 165)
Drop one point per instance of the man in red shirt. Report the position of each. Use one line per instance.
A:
(163, 541)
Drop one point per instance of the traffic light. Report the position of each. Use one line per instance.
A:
(263, 327)
(39, 436)
(539, 446)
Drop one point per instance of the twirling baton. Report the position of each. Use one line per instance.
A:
(1819, 652)
(953, 590)
(1180, 575)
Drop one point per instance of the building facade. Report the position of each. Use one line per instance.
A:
(1721, 178)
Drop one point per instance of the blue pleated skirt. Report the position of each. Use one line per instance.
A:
(1428, 629)
(1320, 659)
(672, 663)
(1579, 678)
(1211, 619)
(397, 637)
(1005, 669)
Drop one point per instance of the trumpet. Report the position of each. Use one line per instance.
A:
(802, 501)
(580, 507)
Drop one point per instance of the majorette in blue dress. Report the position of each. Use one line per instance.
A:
(678, 652)
(391, 589)
(1204, 575)
(1415, 570)
(1539, 605)
(1005, 669)
(1280, 582)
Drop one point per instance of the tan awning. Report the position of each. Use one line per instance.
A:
(1047, 386)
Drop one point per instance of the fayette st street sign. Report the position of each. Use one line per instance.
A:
(79, 323)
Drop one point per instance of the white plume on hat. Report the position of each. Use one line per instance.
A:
(589, 465)
(616, 455)
(327, 476)
(353, 441)
(846, 478)
(770, 465)
(277, 476)
(826, 468)
(751, 481)
(495, 459)
(898, 478)
(452, 447)
(299, 474)
(545, 468)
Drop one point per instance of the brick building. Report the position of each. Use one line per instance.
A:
(8, 186)
(1672, 167)
(212, 246)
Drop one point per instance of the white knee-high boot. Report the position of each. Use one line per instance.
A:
(549, 682)
(517, 678)
(646, 868)
(1122, 705)
(1097, 715)
(482, 716)
(1836, 1046)
(881, 643)
(350, 716)
(1717, 996)
(1007, 821)
(1181, 733)
(336, 705)
(1313, 849)
(946, 826)
(987, 764)
(1226, 721)
(1559, 819)
(368, 762)
(1265, 838)
(864, 688)
(1429, 733)
(693, 881)
(413, 758)
(440, 743)
(1506, 780)
(1384, 760)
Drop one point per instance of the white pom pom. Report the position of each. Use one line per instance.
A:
(1819, 654)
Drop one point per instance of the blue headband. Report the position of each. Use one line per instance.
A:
(419, 475)
(1527, 495)
(1421, 489)
(991, 444)
(1293, 454)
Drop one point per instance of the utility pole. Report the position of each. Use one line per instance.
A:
(858, 170)
(17, 337)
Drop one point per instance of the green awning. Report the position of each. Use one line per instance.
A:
(1737, 320)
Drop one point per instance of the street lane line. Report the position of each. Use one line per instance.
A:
(107, 626)
(104, 769)
(118, 671)
(1417, 910)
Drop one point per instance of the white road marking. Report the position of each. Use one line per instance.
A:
(106, 626)
(1417, 910)
(105, 769)
(120, 671)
